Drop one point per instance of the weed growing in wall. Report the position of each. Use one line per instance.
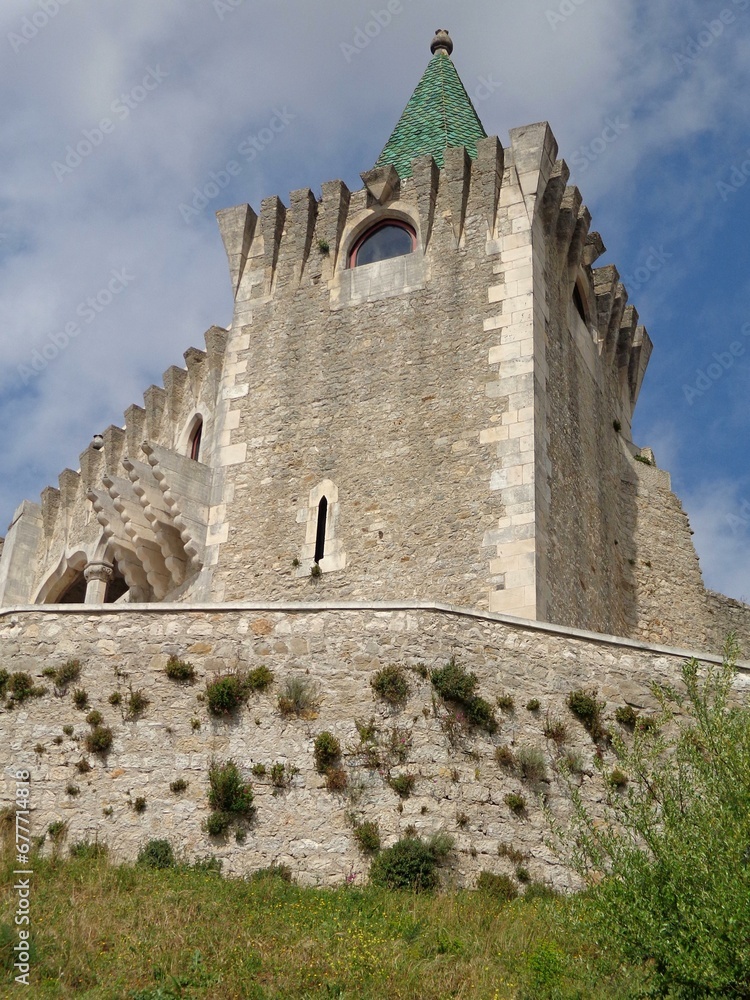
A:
(99, 740)
(229, 796)
(136, 704)
(19, 687)
(63, 676)
(391, 684)
(298, 696)
(81, 699)
(455, 684)
(531, 764)
(585, 706)
(367, 836)
(226, 693)
(179, 670)
(327, 751)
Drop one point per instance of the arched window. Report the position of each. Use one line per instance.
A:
(320, 533)
(194, 447)
(389, 238)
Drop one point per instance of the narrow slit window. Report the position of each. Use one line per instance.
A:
(578, 303)
(195, 441)
(320, 534)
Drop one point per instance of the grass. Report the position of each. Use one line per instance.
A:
(134, 928)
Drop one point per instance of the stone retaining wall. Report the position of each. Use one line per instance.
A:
(459, 787)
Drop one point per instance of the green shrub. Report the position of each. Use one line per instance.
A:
(298, 697)
(588, 709)
(83, 766)
(515, 802)
(480, 713)
(532, 705)
(65, 675)
(177, 786)
(522, 874)
(326, 752)
(99, 740)
(95, 718)
(531, 764)
(136, 704)
(71, 789)
(674, 850)
(4, 678)
(259, 770)
(454, 684)
(280, 775)
(80, 699)
(86, 850)
(259, 679)
(228, 791)
(410, 864)
(68, 730)
(157, 854)
(502, 887)
(626, 715)
(20, 687)
(140, 804)
(506, 702)
(391, 684)
(367, 835)
(403, 784)
(555, 729)
(218, 822)
(179, 670)
(115, 698)
(226, 693)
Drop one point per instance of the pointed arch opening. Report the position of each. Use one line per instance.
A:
(194, 441)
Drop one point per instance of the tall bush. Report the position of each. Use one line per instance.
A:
(673, 860)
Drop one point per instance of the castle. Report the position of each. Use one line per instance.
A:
(413, 441)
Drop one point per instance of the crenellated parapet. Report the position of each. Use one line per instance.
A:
(113, 511)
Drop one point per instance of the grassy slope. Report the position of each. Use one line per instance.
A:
(119, 932)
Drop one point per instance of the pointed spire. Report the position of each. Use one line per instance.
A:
(439, 114)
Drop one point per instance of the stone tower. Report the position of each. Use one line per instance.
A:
(425, 394)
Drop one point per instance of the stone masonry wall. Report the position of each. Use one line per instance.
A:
(459, 787)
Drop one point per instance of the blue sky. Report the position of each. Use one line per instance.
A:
(119, 117)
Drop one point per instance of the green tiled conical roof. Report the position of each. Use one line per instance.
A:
(439, 114)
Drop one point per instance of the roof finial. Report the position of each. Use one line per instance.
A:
(441, 42)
